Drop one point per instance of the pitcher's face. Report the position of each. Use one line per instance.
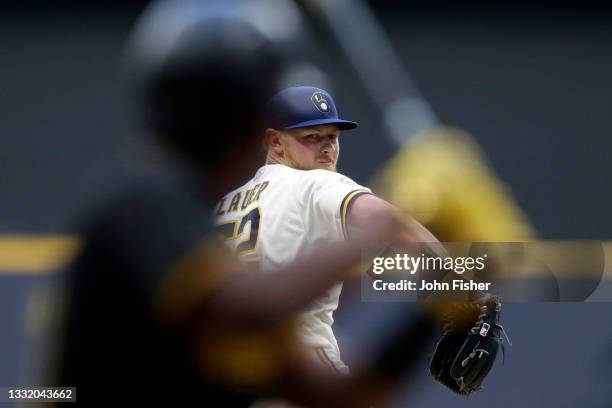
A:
(316, 147)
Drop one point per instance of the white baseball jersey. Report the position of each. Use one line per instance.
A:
(282, 213)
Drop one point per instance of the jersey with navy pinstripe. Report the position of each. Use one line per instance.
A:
(282, 213)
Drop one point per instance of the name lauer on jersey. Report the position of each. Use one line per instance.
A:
(241, 199)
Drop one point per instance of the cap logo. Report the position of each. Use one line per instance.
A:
(320, 102)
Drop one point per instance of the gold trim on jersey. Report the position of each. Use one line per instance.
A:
(345, 206)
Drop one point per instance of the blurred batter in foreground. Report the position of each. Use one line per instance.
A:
(153, 298)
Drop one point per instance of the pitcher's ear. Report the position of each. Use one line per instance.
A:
(272, 141)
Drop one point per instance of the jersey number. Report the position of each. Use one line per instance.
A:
(229, 231)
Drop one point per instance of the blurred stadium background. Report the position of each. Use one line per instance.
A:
(530, 83)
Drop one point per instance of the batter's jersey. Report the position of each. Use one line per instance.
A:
(283, 213)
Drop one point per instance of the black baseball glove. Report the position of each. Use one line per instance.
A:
(471, 338)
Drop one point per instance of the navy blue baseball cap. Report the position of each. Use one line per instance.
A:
(304, 106)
